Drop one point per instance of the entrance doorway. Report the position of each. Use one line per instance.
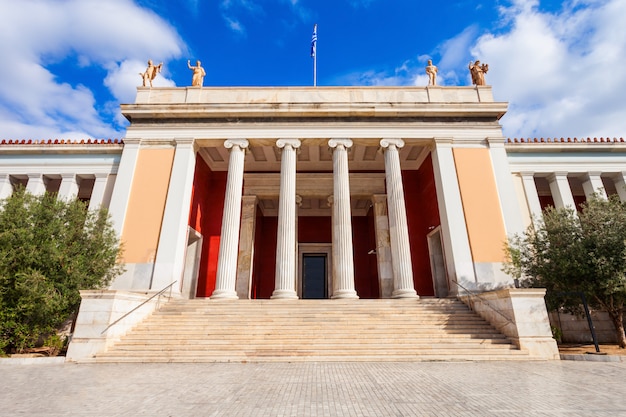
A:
(314, 277)
(314, 284)
(438, 263)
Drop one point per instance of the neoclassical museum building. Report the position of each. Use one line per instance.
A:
(316, 192)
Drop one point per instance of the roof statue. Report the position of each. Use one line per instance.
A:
(431, 70)
(151, 72)
(478, 72)
(198, 74)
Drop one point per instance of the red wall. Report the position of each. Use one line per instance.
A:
(420, 197)
(264, 268)
(205, 216)
(365, 268)
(314, 230)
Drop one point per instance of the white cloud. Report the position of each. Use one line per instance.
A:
(235, 25)
(106, 37)
(561, 72)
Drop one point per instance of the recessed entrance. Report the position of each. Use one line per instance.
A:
(314, 284)
(314, 266)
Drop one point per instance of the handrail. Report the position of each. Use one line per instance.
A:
(131, 311)
(477, 295)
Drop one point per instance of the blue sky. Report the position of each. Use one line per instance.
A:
(68, 64)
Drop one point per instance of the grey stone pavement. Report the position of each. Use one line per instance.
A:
(558, 388)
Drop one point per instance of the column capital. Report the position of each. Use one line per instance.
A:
(249, 199)
(330, 200)
(389, 142)
(240, 143)
(336, 142)
(379, 198)
(68, 175)
(556, 175)
(187, 142)
(298, 200)
(497, 142)
(526, 174)
(132, 142)
(294, 143)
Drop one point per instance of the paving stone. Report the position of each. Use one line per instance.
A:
(441, 389)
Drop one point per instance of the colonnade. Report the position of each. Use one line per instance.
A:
(561, 191)
(70, 183)
(342, 245)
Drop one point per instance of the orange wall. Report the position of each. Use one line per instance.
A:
(147, 204)
(483, 213)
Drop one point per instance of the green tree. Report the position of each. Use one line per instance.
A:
(49, 250)
(577, 252)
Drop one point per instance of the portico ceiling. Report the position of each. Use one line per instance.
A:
(314, 156)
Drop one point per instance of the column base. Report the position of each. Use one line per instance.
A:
(348, 294)
(284, 295)
(405, 294)
(224, 295)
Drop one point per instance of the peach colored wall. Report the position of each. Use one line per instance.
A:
(483, 213)
(147, 204)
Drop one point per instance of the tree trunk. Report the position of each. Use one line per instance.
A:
(617, 317)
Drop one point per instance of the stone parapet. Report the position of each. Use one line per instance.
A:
(521, 315)
(229, 102)
(101, 308)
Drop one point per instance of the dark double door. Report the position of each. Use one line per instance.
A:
(314, 273)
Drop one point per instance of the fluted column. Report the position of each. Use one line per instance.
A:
(227, 258)
(98, 191)
(620, 185)
(69, 187)
(561, 191)
(343, 260)
(36, 184)
(532, 197)
(398, 231)
(592, 184)
(6, 189)
(285, 285)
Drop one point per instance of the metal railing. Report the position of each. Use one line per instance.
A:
(471, 294)
(158, 294)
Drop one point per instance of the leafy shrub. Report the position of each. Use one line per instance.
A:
(49, 250)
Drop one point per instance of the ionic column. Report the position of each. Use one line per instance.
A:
(383, 245)
(532, 197)
(6, 189)
(97, 193)
(398, 230)
(561, 191)
(343, 260)
(36, 184)
(245, 258)
(69, 187)
(593, 184)
(285, 285)
(227, 258)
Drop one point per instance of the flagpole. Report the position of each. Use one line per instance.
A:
(315, 70)
(314, 54)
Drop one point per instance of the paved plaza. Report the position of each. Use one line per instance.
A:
(559, 388)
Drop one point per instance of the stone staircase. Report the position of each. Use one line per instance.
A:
(312, 330)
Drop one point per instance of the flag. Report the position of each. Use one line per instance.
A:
(314, 42)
